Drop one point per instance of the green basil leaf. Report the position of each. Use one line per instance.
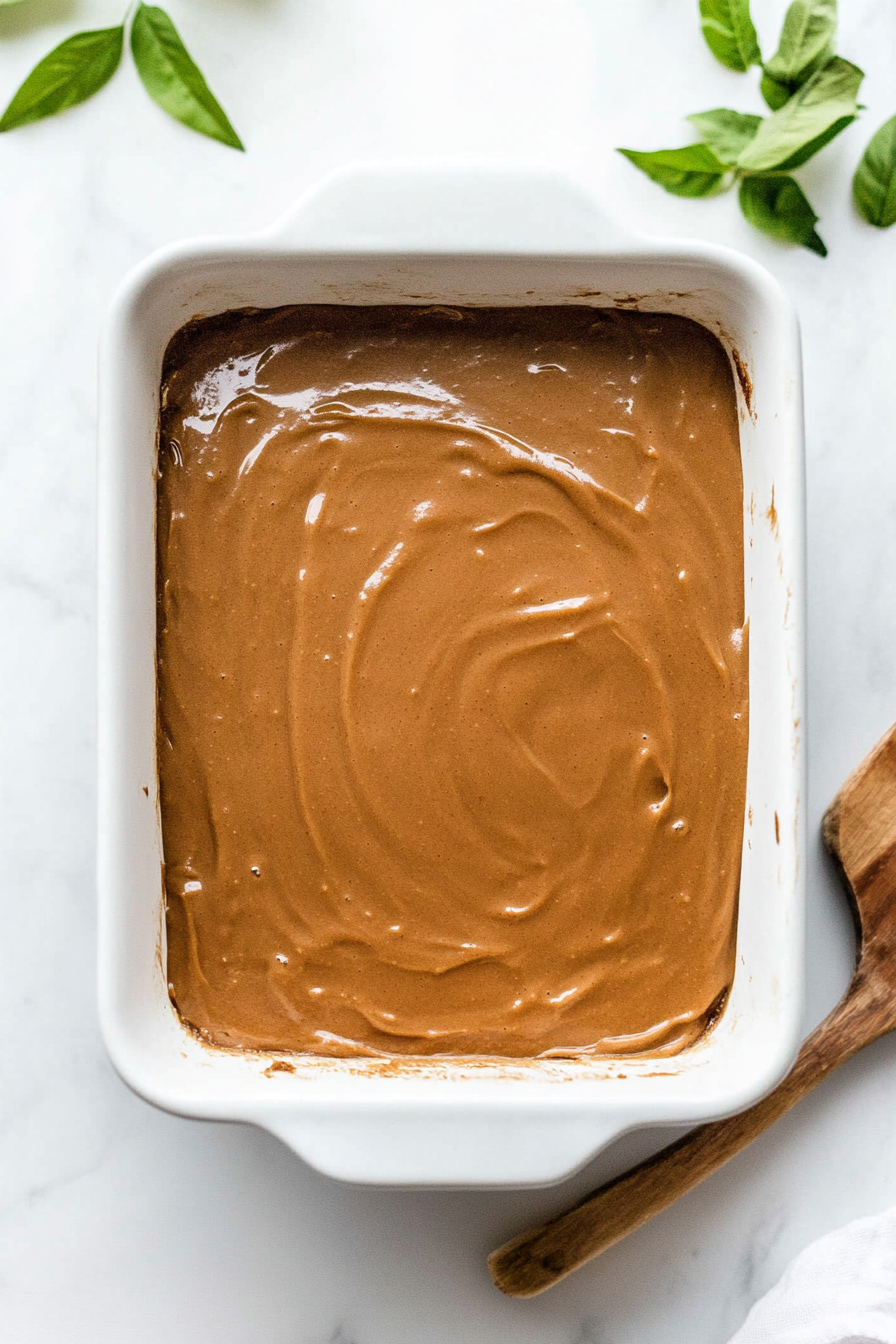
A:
(172, 78)
(804, 154)
(874, 185)
(691, 171)
(807, 37)
(729, 33)
(807, 121)
(777, 205)
(775, 93)
(71, 73)
(727, 133)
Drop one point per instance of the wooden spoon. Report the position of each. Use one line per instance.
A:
(860, 831)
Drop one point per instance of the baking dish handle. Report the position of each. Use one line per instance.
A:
(432, 208)
(426, 1146)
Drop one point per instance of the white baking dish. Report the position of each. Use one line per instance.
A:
(464, 236)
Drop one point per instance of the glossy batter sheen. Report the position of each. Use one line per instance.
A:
(452, 679)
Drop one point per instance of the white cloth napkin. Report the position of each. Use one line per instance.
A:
(839, 1290)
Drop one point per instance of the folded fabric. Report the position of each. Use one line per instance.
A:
(839, 1290)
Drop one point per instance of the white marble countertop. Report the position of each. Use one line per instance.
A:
(120, 1223)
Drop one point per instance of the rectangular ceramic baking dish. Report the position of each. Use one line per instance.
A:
(461, 236)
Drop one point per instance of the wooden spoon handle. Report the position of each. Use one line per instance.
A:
(539, 1258)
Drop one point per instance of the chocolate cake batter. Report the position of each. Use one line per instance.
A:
(452, 679)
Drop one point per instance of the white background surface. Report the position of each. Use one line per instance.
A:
(121, 1224)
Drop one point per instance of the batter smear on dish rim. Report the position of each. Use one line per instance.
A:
(452, 679)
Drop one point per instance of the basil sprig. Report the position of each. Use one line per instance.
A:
(80, 66)
(812, 94)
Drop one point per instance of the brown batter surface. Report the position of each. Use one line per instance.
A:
(452, 679)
